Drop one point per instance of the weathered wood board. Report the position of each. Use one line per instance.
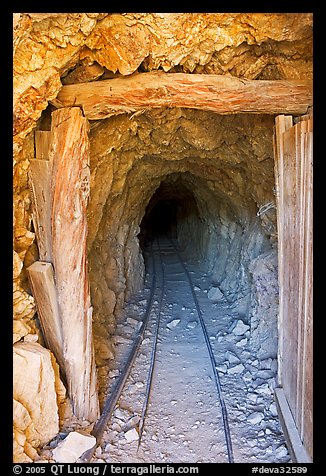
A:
(42, 144)
(69, 153)
(41, 278)
(217, 93)
(293, 172)
(40, 184)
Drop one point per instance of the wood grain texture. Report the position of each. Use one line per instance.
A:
(282, 123)
(41, 278)
(216, 93)
(307, 302)
(293, 172)
(42, 144)
(40, 185)
(70, 189)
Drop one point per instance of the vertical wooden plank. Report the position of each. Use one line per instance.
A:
(293, 174)
(307, 360)
(40, 185)
(299, 233)
(282, 123)
(41, 278)
(70, 188)
(42, 144)
(290, 269)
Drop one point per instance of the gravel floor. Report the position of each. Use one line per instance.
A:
(184, 421)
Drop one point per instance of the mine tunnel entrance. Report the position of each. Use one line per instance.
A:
(220, 270)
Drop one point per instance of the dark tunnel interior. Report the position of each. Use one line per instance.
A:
(170, 207)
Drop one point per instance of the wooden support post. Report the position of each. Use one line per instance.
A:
(70, 188)
(40, 184)
(209, 92)
(307, 331)
(293, 173)
(282, 124)
(41, 278)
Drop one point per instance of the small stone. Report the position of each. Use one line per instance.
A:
(31, 338)
(132, 435)
(139, 384)
(242, 342)
(237, 369)
(247, 377)
(116, 427)
(114, 373)
(196, 288)
(252, 397)
(122, 414)
(132, 321)
(192, 324)
(222, 368)
(273, 410)
(72, 447)
(121, 340)
(264, 389)
(264, 374)
(255, 418)
(281, 452)
(131, 423)
(173, 323)
(215, 294)
(173, 402)
(240, 328)
(266, 364)
(233, 359)
(252, 442)
(268, 431)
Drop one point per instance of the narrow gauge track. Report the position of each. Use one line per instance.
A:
(157, 289)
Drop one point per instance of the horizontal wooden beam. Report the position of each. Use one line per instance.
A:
(210, 92)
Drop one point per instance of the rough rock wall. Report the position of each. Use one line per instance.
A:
(264, 305)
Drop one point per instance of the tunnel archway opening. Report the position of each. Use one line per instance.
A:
(172, 208)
